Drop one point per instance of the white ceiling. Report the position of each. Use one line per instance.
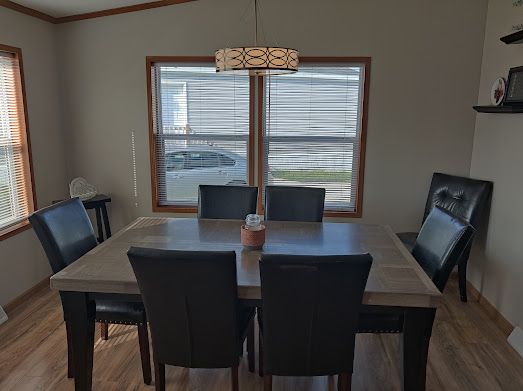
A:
(58, 8)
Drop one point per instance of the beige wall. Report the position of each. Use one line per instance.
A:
(425, 74)
(22, 261)
(496, 267)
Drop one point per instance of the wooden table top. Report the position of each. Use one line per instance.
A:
(395, 278)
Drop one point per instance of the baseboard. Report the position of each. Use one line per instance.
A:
(26, 295)
(492, 312)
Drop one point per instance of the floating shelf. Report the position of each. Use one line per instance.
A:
(516, 37)
(499, 109)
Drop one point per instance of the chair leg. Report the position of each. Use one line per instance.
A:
(159, 376)
(260, 354)
(70, 367)
(462, 273)
(344, 382)
(234, 378)
(143, 340)
(250, 346)
(104, 331)
(267, 382)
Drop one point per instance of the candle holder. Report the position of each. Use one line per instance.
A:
(253, 240)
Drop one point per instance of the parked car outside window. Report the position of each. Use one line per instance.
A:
(190, 167)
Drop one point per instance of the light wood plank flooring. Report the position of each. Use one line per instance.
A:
(467, 352)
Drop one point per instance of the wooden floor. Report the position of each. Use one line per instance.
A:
(467, 352)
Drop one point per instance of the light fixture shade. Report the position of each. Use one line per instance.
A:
(257, 60)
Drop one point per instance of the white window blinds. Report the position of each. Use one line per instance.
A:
(312, 129)
(200, 130)
(16, 195)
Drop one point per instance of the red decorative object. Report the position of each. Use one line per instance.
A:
(253, 240)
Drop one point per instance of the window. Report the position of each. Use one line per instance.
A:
(201, 126)
(16, 185)
(314, 131)
(311, 130)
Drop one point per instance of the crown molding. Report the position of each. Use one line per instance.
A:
(26, 10)
(89, 15)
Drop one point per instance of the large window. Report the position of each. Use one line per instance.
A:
(311, 130)
(16, 187)
(200, 129)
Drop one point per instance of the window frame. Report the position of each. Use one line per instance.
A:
(255, 158)
(366, 63)
(23, 225)
(150, 62)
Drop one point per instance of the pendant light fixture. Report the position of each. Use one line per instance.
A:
(257, 60)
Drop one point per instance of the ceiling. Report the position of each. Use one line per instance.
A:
(61, 8)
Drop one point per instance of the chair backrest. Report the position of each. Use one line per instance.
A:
(464, 197)
(65, 231)
(442, 240)
(310, 312)
(290, 203)
(226, 202)
(191, 300)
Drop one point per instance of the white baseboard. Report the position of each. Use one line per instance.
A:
(3, 315)
(515, 339)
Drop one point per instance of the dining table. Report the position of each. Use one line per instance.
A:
(396, 282)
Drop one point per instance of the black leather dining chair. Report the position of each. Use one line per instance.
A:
(310, 313)
(292, 203)
(465, 197)
(442, 240)
(226, 202)
(66, 233)
(191, 298)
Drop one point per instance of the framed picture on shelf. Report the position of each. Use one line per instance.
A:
(514, 92)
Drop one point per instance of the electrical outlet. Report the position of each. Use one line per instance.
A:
(515, 339)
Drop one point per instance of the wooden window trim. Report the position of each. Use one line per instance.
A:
(23, 225)
(366, 61)
(150, 61)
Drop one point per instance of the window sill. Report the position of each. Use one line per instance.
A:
(174, 209)
(14, 230)
(348, 215)
(194, 209)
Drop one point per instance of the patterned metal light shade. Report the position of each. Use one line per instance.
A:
(257, 60)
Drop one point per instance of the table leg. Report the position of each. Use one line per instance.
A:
(81, 313)
(99, 225)
(107, 226)
(417, 329)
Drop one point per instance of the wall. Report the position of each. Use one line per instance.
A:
(425, 73)
(22, 261)
(496, 267)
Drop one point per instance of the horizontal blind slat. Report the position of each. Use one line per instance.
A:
(15, 186)
(201, 130)
(312, 128)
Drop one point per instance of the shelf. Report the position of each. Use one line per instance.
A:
(499, 109)
(516, 37)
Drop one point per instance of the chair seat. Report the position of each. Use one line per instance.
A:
(380, 323)
(408, 239)
(377, 319)
(120, 312)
